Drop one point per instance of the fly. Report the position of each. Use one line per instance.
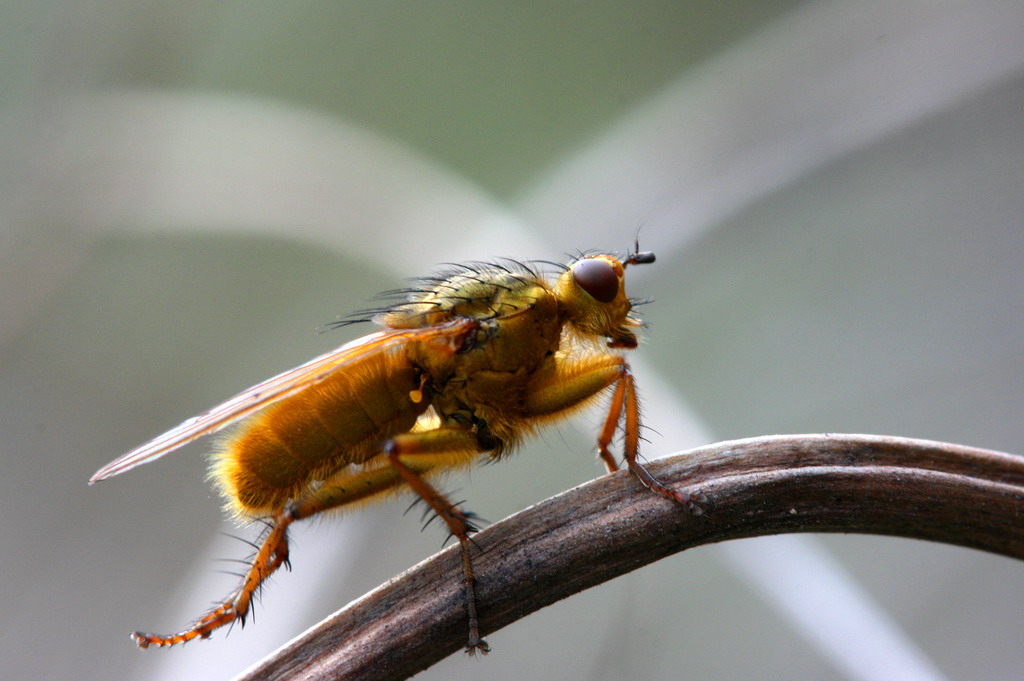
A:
(465, 366)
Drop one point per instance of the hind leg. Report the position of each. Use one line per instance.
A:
(408, 457)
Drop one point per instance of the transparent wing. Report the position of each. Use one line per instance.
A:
(450, 337)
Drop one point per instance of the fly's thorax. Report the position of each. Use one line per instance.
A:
(471, 292)
(515, 340)
(484, 385)
(521, 339)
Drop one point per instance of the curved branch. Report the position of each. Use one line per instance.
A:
(610, 526)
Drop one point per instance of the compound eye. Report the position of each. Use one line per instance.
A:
(597, 278)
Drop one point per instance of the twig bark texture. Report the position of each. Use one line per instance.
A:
(605, 528)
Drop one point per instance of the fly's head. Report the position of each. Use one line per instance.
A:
(592, 295)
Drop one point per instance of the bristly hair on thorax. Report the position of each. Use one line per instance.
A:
(451, 284)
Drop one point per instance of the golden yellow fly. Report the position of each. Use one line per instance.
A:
(467, 364)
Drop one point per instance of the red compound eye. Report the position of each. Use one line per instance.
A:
(597, 278)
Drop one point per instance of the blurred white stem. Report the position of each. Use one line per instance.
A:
(825, 605)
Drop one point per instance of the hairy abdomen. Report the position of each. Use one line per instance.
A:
(342, 420)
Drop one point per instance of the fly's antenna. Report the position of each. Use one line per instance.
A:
(638, 257)
(644, 258)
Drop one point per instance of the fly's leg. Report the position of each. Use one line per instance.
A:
(409, 457)
(272, 554)
(564, 385)
(411, 453)
(340, 489)
(626, 403)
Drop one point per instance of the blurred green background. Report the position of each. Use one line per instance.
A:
(188, 191)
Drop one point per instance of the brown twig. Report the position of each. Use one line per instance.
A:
(605, 528)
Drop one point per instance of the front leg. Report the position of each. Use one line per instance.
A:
(568, 384)
(625, 401)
